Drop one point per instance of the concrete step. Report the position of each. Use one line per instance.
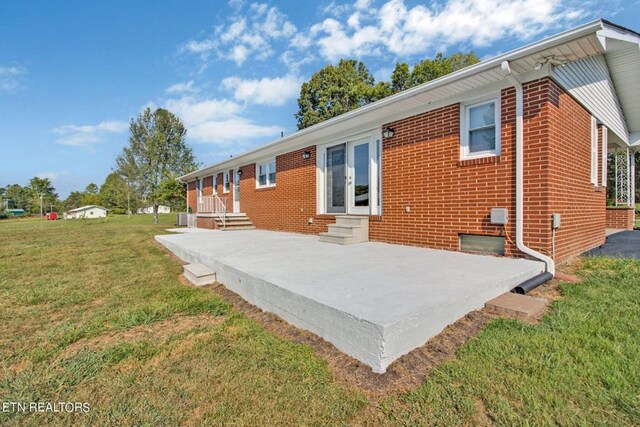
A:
(521, 306)
(199, 274)
(238, 227)
(347, 230)
(339, 239)
(356, 221)
(240, 222)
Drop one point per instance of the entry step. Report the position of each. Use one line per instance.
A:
(347, 230)
(521, 306)
(199, 274)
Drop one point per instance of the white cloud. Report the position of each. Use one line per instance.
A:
(265, 91)
(245, 36)
(217, 121)
(401, 30)
(10, 77)
(184, 87)
(52, 176)
(85, 135)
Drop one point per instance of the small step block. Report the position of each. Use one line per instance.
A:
(522, 306)
(199, 274)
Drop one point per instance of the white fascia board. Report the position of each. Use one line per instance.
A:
(288, 143)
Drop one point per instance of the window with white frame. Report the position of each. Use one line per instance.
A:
(215, 184)
(594, 151)
(480, 129)
(225, 182)
(266, 173)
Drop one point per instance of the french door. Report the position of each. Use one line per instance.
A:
(236, 191)
(348, 178)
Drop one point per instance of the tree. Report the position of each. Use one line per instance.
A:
(43, 194)
(116, 195)
(18, 197)
(400, 78)
(157, 151)
(334, 90)
(172, 193)
(90, 195)
(73, 200)
(430, 69)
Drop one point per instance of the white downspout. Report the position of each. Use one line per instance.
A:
(551, 267)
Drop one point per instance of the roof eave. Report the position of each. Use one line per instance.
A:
(566, 36)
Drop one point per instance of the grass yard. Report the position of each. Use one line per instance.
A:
(94, 312)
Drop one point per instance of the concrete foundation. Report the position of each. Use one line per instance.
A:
(374, 301)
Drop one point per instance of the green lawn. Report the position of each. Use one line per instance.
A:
(94, 312)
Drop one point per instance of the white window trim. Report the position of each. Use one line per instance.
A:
(594, 151)
(266, 163)
(464, 128)
(226, 182)
(375, 168)
(215, 184)
(605, 149)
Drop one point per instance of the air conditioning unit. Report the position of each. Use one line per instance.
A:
(181, 219)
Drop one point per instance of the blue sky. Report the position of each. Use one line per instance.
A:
(73, 73)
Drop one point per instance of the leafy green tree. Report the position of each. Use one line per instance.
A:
(334, 90)
(73, 200)
(401, 77)
(173, 193)
(42, 194)
(157, 151)
(90, 195)
(117, 195)
(18, 197)
(430, 69)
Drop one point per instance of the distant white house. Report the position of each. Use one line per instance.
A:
(91, 211)
(149, 209)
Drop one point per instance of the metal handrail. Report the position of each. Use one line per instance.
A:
(214, 205)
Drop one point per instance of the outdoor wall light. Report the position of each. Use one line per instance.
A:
(306, 154)
(239, 172)
(388, 133)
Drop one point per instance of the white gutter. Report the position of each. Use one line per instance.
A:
(551, 266)
(480, 67)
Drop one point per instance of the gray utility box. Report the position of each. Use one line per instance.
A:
(555, 221)
(499, 216)
(181, 219)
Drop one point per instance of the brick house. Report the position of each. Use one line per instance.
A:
(508, 156)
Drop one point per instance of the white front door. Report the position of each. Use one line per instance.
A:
(347, 178)
(236, 191)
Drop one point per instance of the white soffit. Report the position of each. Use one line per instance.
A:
(588, 81)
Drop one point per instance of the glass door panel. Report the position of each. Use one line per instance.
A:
(358, 178)
(335, 176)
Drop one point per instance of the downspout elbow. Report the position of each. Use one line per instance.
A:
(550, 264)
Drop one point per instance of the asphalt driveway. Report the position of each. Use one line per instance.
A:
(625, 244)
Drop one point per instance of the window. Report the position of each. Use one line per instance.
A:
(215, 184)
(266, 174)
(594, 151)
(225, 188)
(480, 129)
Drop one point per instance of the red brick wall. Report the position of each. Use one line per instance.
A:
(205, 222)
(288, 205)
(422, 170)
(191, 196)
(620, 218)
(447, 197)
(207, 186)
(580, 203)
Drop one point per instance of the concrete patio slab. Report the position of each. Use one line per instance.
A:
(374, 301)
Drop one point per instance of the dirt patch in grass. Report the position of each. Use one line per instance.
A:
(158, 332)
(404, 374)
